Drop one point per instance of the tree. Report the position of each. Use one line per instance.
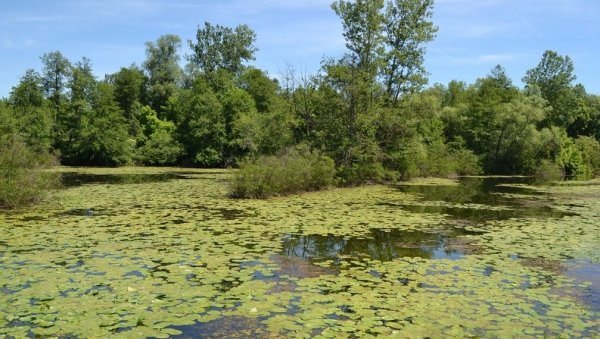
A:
(156, 142)
(553, 76)
(407, 27)
(29, 92)
(82, 81)
(56, 71)
(130, 93)
(29, 108)
(162, 67)
(200, 124)
(362, 22)
(513, 135)
(262, 89)
(220, 47)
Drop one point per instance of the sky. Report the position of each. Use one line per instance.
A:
(473, 36)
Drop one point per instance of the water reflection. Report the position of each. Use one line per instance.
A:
(474, 190)
(73, 179)
(482, 191)
(588, 273)
(383, 245)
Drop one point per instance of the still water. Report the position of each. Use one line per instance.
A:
(164, 252)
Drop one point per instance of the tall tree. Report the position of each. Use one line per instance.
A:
(220, 47)
(162, 67)
(82, 81)
(362, 22)
(407, 27)
(554, 76)
(31, 113)
(130, 92)
(56, 71)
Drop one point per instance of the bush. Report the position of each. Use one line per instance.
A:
(572, 161)
(293, 171)
(464, 162)
(547, 171)
(590, 151)
(435, 160)
(22, 177)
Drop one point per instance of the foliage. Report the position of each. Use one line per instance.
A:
(571, 160)
(295, 170)
(366, 110)
(162, 67)
(156, 144)
(407, 27)
(22, 177)
(55, 73)
(218, 47)
(200, 124)
(590, 151)
(547, 171)
(33, 117)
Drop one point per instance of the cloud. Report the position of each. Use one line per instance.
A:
(491, 59)
(484, 30)
(7, 42)
(499, 57)
(24, 19)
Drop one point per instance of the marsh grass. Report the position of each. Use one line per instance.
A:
(294, 171)
(23, 179)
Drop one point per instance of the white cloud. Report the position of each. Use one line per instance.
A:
(491, 59)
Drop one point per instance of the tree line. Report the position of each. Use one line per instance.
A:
(369, 110)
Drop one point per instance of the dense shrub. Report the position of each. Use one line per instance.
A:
(436, 160)
(547, 171)
(292, 171)
(22, 176)
(590, 151)
(572, 161)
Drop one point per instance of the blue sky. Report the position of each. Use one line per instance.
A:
(474, 35)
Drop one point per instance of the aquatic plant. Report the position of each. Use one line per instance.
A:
(161, 258)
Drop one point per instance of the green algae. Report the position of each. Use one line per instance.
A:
(178, 258)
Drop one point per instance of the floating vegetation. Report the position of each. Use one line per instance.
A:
(179, 258)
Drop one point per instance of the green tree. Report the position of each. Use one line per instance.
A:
(220, 47)
(156, 144)
(130, 93)
(162, 67)
(554, 76)
(200, 124)
(97, 132)
(407, 27)
(264, 91)
(513, 135)
(56, 71)
(31, 114)
(81, 83)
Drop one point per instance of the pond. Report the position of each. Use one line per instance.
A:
(162, 252)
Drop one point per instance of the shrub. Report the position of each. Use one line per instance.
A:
(292, 171)
(22, 176)
(436, 160)
(572, 161)
(547, 171)
(465, 162)
(590, 151)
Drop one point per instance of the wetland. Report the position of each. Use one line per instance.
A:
(163, 252)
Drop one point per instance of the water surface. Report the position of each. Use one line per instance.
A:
(163, 252)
